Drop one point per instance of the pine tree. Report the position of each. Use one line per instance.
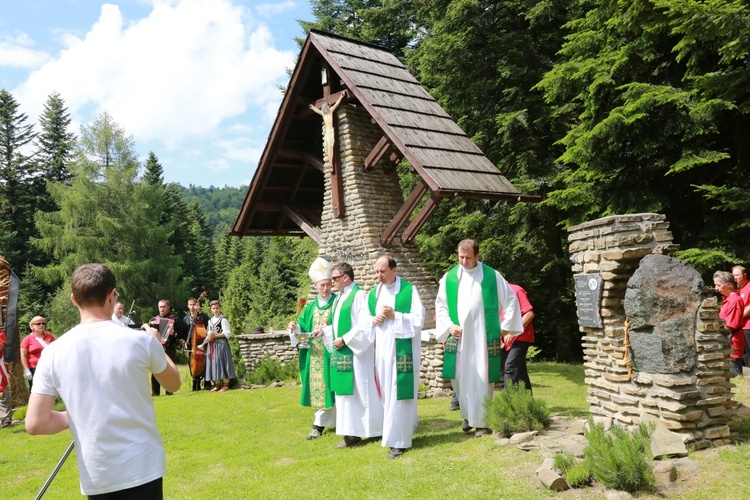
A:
(107, 216)
(55, 143)
(18, 184)
(154, 174)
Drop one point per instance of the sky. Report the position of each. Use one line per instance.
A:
(194, 81)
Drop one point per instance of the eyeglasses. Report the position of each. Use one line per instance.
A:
(38, 324)
(334, 278)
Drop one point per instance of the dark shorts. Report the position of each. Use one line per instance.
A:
(147, 491)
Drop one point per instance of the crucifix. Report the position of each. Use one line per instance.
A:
(326, 108)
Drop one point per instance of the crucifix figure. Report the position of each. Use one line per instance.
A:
(329, 136)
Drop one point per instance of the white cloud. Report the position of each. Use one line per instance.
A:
(18, 51)
(267, 10)
(173, 76)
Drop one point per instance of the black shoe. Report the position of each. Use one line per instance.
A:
(349, 441)
(454, 407)
(465, 426)
(170, 393)
(482, 431)
(396, 452)
(315, 432)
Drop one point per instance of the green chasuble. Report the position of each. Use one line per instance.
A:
(491, 323)
(342, 360)
(404, 352)
(315, 362)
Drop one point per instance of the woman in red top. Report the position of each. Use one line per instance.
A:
(32, 346)
(731, 312)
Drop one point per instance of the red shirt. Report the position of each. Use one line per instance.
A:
(523, 302)
(731, 313)
(745, 294)
(31, 343)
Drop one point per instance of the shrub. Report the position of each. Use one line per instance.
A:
(620, 459)
(579, 475)
(514, 410)
(576, 472)
(271, 370)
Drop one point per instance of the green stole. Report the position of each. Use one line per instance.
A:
(491, 323)
(404, 353)
(342, 360)
(305, 322)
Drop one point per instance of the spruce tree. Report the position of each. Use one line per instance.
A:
(55, 143)
(19, 187)
(106, 215)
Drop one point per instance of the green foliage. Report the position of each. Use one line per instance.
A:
(239, 364)
(619, 459)
(515, 410)
(221, 205)
(532, 353)
(106, 215)
(576, 472)
(272, 370)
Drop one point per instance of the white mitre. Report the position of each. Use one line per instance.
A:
(320, 270)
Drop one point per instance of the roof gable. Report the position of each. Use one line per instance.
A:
(286, 194)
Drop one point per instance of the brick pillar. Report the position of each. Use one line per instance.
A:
(371, 200)
(695, 402)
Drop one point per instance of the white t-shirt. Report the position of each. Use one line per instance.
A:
(102, 373)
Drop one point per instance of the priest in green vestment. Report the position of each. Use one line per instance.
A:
(468, 305)
(314, 360)
(397, 317)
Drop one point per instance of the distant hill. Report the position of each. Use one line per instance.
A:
(221, 205)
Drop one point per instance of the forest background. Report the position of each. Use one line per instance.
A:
(599, 107)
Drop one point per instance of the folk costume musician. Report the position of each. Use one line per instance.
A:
(359, 411)
(468, 305)
(219, 365)
(397, 317)
(194, 308)
(315, 361)
(171, 329)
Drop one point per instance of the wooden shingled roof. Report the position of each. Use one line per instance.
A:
(285, 196)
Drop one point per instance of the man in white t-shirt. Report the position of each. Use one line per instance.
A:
(101, 372)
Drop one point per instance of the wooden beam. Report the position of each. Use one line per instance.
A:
(393, 161)
(377, 153)
(313, 162)
(427, 210)
(337, 184)
(302, 222)
(402, 216)
(331, 98)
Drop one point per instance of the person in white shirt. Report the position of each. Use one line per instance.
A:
(101, 372)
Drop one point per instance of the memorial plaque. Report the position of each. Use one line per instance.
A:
(588, 299)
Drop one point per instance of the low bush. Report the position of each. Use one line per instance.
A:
(271, 370)
(514, 410)
(576, 472)
(619, 459)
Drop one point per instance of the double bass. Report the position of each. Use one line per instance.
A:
(197, 335)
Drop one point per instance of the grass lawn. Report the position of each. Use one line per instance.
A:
(251, 444)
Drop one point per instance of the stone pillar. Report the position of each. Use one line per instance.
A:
(678, 355)
(371, 199)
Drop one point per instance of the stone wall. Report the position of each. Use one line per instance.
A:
(371, 199)
(688, 391)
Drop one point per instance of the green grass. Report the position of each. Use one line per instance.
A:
(251, 444)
